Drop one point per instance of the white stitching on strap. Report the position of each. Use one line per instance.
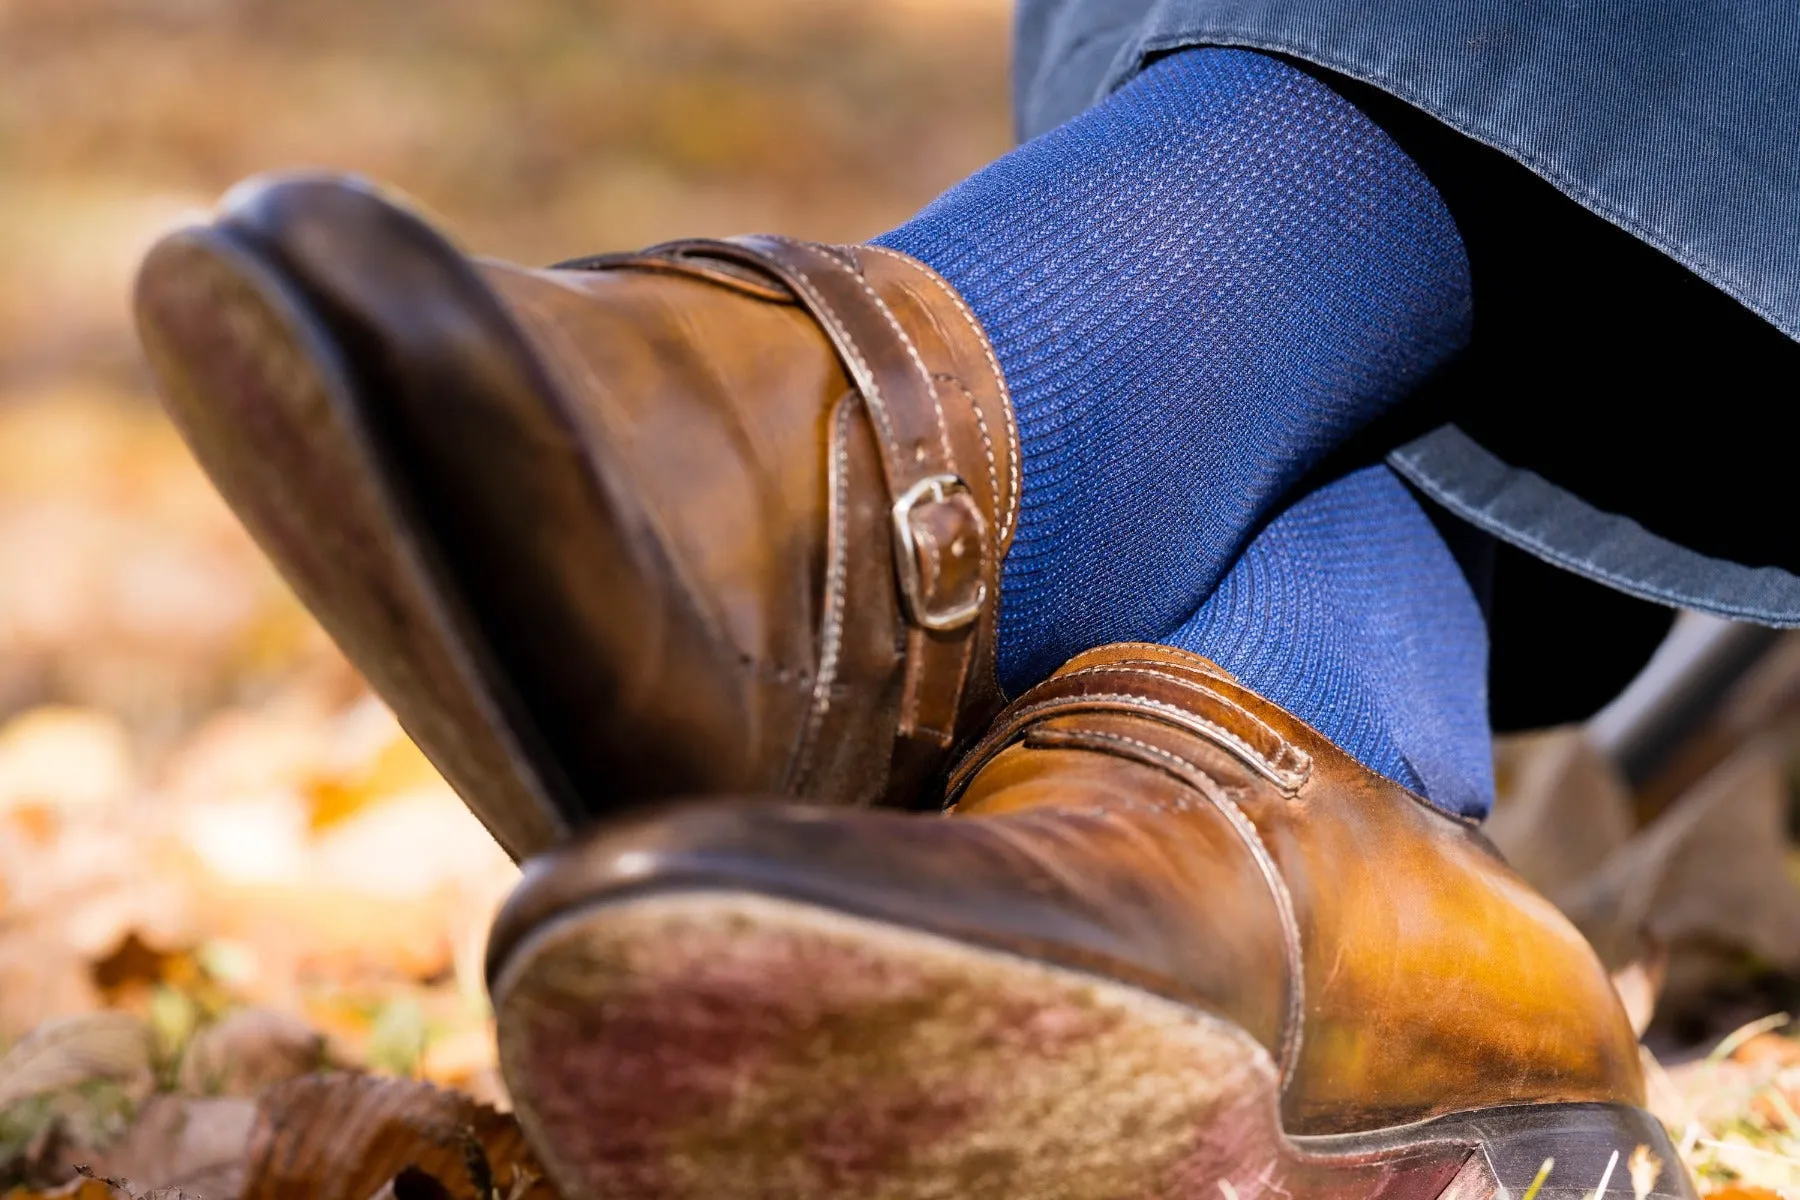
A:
(1300, 761)
(987, 445)
(1010, 512)
(865, 378)
(1296, 762)
(1160, 660)
(887, 315)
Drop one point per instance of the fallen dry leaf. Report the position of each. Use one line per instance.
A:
(1639, 984)
(60, 758)
(124, 1189)
(377, 762)
(347, 1137)
(135, 967)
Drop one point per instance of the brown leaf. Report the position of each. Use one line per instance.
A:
(398, 766)
(346, 1137)
(1737, 1192)
(134, 967)
(194, 1145)
(249, 1051)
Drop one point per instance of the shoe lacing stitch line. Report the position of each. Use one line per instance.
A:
(866, 385)
(1011, 511)
(987, 443)
(1196, 776)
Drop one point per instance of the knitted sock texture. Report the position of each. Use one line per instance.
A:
(1349, 611)
(1195, 289)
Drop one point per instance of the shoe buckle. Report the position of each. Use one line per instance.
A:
(933, 489)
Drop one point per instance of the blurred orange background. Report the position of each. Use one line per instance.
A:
(202, 809)
(200, 805)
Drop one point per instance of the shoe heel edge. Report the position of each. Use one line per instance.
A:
(1553, 1152)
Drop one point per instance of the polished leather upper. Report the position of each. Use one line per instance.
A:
(1141, 817)
(717, 516)
(1422, 974)
(818, 458)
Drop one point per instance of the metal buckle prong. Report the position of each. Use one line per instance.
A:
(937, 489)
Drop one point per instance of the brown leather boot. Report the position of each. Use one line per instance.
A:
(1170, 942)
(717, 516)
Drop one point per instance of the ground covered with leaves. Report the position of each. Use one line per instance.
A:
(241, 918)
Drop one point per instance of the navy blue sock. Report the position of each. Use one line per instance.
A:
(1349, 611)
(1196, 289)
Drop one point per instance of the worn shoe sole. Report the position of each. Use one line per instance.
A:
(258, 383)
(722, 1044)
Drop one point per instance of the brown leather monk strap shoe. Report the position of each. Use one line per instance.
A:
(717, 516)
(1169, 943)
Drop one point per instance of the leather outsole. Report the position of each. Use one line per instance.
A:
(276, 410)
(717, 1043)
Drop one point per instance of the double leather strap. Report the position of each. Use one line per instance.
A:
(948, 537)
(1163, 685)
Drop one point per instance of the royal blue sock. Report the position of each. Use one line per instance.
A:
(1196, 289)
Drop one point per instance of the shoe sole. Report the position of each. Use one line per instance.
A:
(254, 379)
(690, 1044)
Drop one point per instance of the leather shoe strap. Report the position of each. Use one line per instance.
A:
(945, 551)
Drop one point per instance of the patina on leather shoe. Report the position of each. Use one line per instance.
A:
(717, 516)
(1170, 942)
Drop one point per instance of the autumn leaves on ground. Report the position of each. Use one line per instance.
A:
(222, 866)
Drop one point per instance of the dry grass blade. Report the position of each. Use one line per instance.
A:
(1745, 1034)
(76, 1050)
